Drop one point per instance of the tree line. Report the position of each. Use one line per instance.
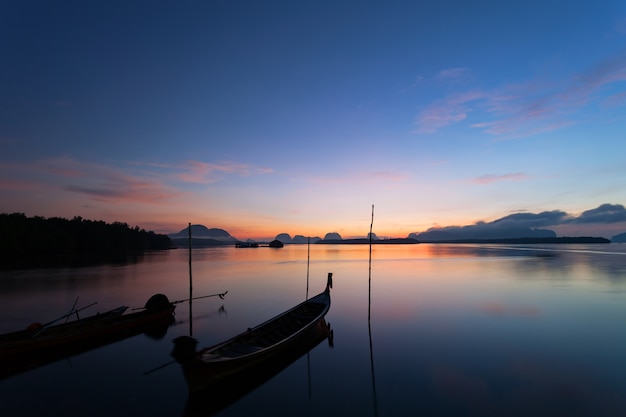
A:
(27, 242)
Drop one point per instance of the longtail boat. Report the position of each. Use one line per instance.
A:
(41, 344)
(257, 350)
(229, 390)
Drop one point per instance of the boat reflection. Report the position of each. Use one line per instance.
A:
(228, 389)
(40, 345)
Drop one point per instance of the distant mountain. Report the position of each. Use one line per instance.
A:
(621, 238)
(299, 239)
(199, 231)
(305, 239)
(283, 237)
(332, 236)
(202, 236)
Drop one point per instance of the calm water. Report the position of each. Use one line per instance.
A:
(457, 330)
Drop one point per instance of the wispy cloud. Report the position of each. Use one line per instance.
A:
(135, 182)
(447, 111)
(452, 73)
(207, 172)
(615, 100)
(418, 80)
(104, 183)
(199, 172)
(98, 181)
(491, 178)
(525, 109)
(367, 177)
(17, 185)
(124, 189)
(448, 76)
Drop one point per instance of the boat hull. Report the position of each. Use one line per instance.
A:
(256, 348)
(27, 349)
(202, 376)
(212, 391)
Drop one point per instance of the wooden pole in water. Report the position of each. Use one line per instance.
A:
(308, 259)
(190, 286)
(370, 264)
(369, 323)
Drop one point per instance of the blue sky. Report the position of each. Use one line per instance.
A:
(281, 116)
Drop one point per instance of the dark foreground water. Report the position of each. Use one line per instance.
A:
(453, 330)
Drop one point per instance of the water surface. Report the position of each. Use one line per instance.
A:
(463, 330)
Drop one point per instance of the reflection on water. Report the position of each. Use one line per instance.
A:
(463, 330)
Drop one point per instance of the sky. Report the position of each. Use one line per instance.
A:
(296, 117)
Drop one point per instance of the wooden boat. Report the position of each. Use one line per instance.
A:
(227, 391)
(256, 349)
(38, 345)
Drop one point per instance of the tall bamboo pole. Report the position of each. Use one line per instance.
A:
(190, 286)
(308, 259)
